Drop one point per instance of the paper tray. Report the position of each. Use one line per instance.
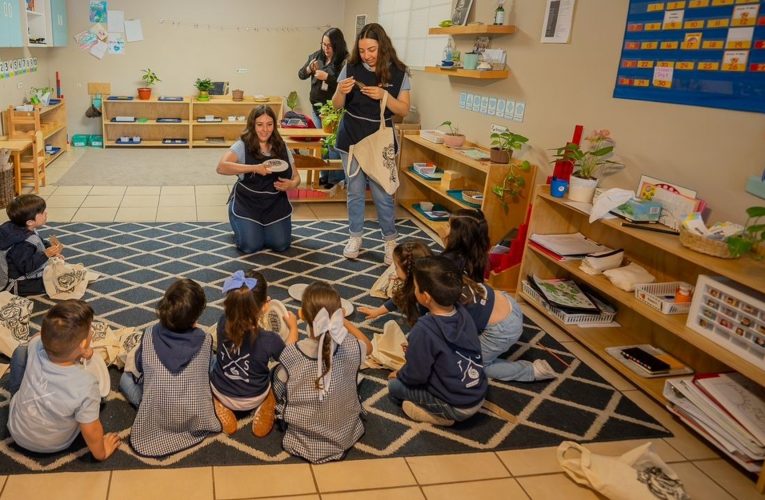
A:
(433, 177)
(457, 195)
(417, 207)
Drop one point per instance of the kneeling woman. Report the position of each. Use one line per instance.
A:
(259, 211)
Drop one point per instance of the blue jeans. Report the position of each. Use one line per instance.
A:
(400, 392)
(251, 237)
(333, 176)
(496, 339)
(18, 368)
(356, 198)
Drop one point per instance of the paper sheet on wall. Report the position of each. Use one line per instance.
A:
(99, 49)
(116, 43)
(116, 21)
(85, 39)
(97, 11)
(559, 15)
(133, 30)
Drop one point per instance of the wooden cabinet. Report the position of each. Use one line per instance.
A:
(225, 132)
(37, 21)
(148, 129)
(479, 176)
(664, 257)
(10, 24)
(50, 120)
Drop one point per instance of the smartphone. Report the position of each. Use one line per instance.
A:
(359, 84)
(646, 360)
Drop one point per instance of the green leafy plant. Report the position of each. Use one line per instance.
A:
(453, 130)
(37, 94)
(513, 183)
(751, 237)
(588, 164)
(149, 77)
(292, 100)
(203, 84)
(330, 117)
(508, 141)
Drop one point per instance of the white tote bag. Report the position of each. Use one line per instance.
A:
(66, 281)
(639, 474)
(376, 155)
(385, 284)
(387, 347)
(14, 321)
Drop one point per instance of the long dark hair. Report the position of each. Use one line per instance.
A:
(318, 295)
(339, 47)
(242, 308)
(468, 242)
(250, 137)
(386, 54)
(405, 255)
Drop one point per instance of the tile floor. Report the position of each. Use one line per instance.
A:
(514, 474)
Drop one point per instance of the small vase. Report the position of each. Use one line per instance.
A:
(581, 189)
(144, 93)
(454, 140)
(203, 95)
(499, 155)
(237, 95)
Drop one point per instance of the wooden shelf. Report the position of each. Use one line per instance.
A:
(441, 228)
(56, 128)
(145, 144)
(665, 258)
(434, 186)
(474, 29)
(205, 144)
(224, 123)
(184, 123)
(469, 73)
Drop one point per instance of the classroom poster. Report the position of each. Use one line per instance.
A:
(697, 52)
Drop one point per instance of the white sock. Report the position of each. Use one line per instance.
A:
(543, 370)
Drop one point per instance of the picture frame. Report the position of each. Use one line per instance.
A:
(461, 11)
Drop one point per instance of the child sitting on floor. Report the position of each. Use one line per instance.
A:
(240, 377)
(315, 383)
(442, 380)
(25, 252)
(58, 399)
(175, 405)
(467, 244)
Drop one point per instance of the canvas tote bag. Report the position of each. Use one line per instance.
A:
(66, 281)
(376, 155)
(14, 321)
(385, 284)
(639, 474)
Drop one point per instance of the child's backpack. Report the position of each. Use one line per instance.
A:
(5, 281)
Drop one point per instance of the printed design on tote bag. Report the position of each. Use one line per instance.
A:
(67, 281)
(660, 484)
(99, 332)
(389, 160)
(15, 317)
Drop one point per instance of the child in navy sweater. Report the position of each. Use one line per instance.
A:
(442, 380)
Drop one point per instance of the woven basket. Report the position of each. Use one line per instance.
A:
(7, 192)
(704, 245)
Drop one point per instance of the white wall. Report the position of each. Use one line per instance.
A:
(13, 90)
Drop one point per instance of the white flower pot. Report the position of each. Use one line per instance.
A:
(581, 189)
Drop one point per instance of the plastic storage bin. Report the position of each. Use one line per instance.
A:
(80, 140)
(661, 296)
(97, 141)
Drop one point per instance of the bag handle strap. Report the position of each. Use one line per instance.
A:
(574, 467)
(383, 103)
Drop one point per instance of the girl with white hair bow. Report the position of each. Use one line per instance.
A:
(315, 383)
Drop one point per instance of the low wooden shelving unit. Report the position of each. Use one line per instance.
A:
(51, 120)
(489, 74)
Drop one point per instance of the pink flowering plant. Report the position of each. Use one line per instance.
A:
(589, 163)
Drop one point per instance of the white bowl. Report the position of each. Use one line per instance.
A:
(424, 168)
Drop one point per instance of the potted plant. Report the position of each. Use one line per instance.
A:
(513, 183)
(453, 138)
(204, 86)
(503, 145)
(330, 117)
(149, 78)
(588, 164)
(40, 95)
(752, 238)
(292, 100)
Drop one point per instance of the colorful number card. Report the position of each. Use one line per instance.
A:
(697, 52)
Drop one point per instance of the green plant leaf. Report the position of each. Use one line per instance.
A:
(738, 246)
(755, 211)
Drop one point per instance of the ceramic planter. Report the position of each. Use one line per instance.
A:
(454, 141)
(500, 155)
(144, 93)
(581, 189)
(203, 95)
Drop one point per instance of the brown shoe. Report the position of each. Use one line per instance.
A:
(420, 414)
(226, 417)
(263, 420)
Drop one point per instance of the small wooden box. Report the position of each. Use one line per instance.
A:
(452, 180)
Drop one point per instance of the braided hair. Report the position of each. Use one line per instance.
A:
(403, 292)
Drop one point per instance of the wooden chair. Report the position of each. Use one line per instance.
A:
(33, 167)
(21, 124)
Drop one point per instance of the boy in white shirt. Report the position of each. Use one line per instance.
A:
(58, 398)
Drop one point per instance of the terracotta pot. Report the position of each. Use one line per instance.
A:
(237, 95)
(500, 155)
(581, 189)
(454, 141)
(328, 128)
(144, 93)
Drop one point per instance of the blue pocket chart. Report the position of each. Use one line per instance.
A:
(697, 52)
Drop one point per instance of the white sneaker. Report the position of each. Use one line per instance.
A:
(390, 245)
(351, 250)
(543, 370)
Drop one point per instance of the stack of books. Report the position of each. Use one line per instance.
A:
(727, 409)
(565, 246)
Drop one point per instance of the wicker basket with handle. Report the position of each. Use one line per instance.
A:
(704, 245)
(6, 179)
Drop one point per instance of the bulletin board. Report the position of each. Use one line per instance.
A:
(697, 52)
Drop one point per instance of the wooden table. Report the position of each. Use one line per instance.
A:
(16, 146)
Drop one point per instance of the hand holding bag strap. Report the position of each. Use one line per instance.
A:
(383, 103)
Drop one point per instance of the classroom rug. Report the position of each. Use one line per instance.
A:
(146, 167)
(138, 261)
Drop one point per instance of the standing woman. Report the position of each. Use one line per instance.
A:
(373, 70)
(259, 211)
(322, 68)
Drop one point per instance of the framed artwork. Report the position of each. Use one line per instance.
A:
(461, 11)
(361, 21)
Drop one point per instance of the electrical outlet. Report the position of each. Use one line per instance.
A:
(242, 70)
(498, 129)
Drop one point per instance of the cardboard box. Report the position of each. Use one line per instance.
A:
(452, 180)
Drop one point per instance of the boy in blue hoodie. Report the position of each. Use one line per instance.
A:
(26, 253)
(175, 404)
(442, 380)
